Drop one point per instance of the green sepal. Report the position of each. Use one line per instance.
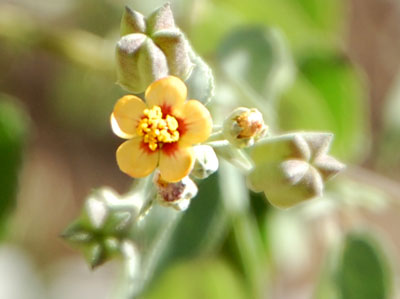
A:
(132, 22)
(139, 62)
(175, 47)
(161, 19)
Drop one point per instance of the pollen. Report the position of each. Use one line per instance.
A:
(156, 129)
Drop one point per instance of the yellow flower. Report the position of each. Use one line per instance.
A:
(161, 131)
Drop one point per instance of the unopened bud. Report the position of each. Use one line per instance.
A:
(176, 195)
(292, 168)
(206, 162)
(105, 220)
(150, 49)
(244, 127)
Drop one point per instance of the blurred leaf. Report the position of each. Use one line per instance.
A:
(288, 230)
(26, 32)
(13, 132)
(211, 279)
(212, 24)
(392, 106)
(258, 57)
(201, 81)
(329, 95)
(326, 287)
(363, 270)
(349, 193)
(98, 17)
(325, 15)
(83, 99)
(389, 154)
(308, 24)
(250, 249)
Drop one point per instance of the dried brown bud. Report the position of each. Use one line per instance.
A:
(176, 195)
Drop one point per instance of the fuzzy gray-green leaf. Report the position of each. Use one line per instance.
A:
(201, 81)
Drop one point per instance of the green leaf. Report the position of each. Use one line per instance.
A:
(13, 131)
(329, 95)
(212, 279)
(363, 270)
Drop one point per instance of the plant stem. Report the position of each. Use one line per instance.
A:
(218, 143)
(236, 202)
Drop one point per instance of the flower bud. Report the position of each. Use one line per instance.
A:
(176, 195)
(244, 127)
(206, 162)
(292, 168)
(104, 222)
(150, 49)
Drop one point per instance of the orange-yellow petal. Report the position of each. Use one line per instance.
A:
(197, 123)
(169, 93)
(135, 159)
(127, 112)
(176, 162)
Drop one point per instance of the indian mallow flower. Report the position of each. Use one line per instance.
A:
(160, 131)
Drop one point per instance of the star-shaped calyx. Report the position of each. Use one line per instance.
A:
(101, 230)
(293, 168)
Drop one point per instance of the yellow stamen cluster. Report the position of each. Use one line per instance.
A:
(157, 130)
(251, 122)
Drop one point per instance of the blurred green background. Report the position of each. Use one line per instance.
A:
(325, 65)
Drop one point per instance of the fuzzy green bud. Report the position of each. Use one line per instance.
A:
(292, 168)
(150, 48)
(244, 126)
(105, 222)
